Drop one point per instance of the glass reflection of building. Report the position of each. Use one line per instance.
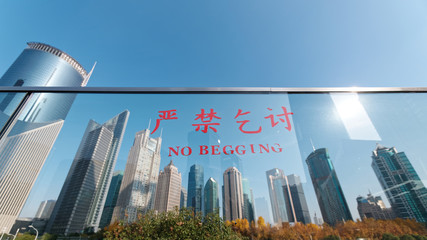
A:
(232, 194)
(280, 200)
(111, 200)
(195, 187)
(39, 124)
(168, 191)
(211, 198)
(373, 207)
(82, 197)
(248, 201)
(138, 188)
(328, 190)
(402, 185)
(297, 197)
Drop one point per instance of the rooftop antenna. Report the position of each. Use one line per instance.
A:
(149, 124)
(312, 145)
(161, 132)
(84, 83)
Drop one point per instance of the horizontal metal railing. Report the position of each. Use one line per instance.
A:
(212, 90)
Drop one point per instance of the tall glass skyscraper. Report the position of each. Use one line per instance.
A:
(232, 194)
(328, 190)
(111, 200)
(82, 198)
(297, 196)
(195, 187)
(280, 201)
(211, 199)
(24, 151)
(248, 201)
(402, 185)
(139, 184)
(168, 192)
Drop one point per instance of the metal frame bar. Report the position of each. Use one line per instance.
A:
(211, 90)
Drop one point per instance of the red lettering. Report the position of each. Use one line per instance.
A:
(243, 151)
(173, 150)
(189, 151)
(215, 149)
(224, 150)
(261, 147)
(203, 150)
(252, 148)
(278, 146)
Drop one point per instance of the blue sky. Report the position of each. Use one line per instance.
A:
(235, 43)
(275, 43)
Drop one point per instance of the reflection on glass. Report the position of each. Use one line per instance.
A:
(24, 151)
(257, 162)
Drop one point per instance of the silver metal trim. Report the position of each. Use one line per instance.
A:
(212, 90)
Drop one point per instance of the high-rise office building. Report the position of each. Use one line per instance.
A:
(45, 209)
(183, 201)
(281, 202)
(403, 187)
(297, 197)
(82, 198)
(232, 194)
(195, 187)
(211, 198)
(328, 190)
(111, 200)
(248, 201)
(138, 188)
(168, 192)
(373, 207)
(39, 123)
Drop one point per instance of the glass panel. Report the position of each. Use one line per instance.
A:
(288, 158)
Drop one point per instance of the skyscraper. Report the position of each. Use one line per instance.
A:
(195, 187)
(211, 199)
(248, 201)
(45, 209)
(183, 201)
(403, 187)
(111, 200)
(138, 188)
(281, 202)
(232, 194)
(328, 190)
(373, 207)
(298, 198)
(168, 192)
(39, 123)
(82, 198)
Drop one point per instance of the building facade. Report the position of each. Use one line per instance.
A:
(211, 198)
(403, 187)
(82, 198)
(373, 207)
(39, 123)
(232, 194)
(195, 188)
(248, 201)
(45, 209)
(138, 188)
(281, 203)
(111, 200)
(297, 196)
(330, 196)
(168, 192)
